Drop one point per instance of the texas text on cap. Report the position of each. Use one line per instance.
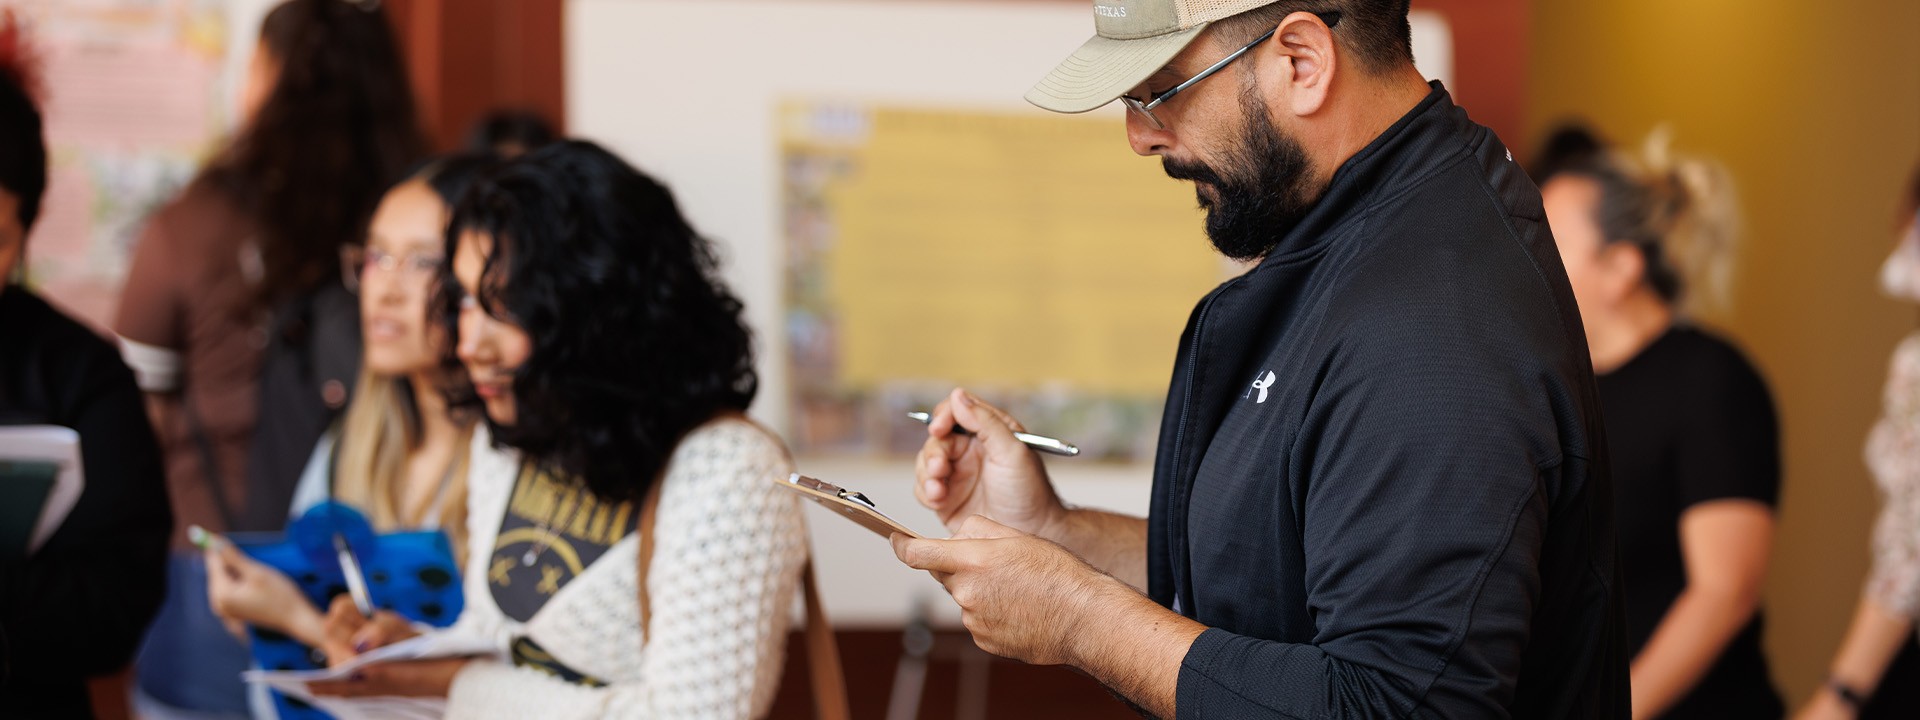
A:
(1135, 39)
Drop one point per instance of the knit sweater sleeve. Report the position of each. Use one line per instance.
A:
(727, 553)
(1892, 449)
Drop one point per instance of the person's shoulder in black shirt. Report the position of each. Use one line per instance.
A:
(79, 606)
(1699, 397)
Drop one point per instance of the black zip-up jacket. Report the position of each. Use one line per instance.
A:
(1382, 481)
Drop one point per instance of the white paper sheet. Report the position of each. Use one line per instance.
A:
(54, 444)
(424, 647)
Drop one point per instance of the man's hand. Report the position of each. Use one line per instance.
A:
(989, 473)
(1029, 599)
(1022, 597)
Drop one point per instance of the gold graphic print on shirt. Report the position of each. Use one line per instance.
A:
(553, 530)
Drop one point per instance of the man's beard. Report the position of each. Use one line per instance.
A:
(1266, 190)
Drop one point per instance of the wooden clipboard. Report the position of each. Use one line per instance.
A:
(848, 504)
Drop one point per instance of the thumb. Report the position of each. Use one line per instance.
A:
(988, 423)
(922, 554)
(224, 560)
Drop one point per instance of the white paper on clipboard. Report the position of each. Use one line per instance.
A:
(52, 444)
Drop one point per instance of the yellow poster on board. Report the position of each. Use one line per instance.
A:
(1017, 252)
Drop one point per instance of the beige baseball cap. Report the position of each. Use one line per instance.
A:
(1134, 39)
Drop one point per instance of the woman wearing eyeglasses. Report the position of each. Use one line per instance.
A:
(630, 555)
(399, 454)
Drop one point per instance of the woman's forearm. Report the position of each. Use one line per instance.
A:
(302, 623)
(1873, 638)
(1689, 639)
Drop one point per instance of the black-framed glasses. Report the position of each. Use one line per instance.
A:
(1145, 107)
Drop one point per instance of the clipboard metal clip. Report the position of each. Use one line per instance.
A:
(835, 490)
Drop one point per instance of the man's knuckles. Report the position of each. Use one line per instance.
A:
(964, 594)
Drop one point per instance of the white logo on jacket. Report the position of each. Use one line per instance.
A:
(1261, 383)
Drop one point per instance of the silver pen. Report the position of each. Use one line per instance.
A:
(1042, 443)
(356, 582)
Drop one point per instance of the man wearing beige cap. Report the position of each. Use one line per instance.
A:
(1381, 487)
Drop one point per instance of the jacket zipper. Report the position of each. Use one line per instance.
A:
(1180, 440)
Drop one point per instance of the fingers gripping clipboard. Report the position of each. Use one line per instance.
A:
(848, 504)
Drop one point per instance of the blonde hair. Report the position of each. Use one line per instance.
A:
(1681, 211)
(382, 426)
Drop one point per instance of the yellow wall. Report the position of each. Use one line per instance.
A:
(1815, 107)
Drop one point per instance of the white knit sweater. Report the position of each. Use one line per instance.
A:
(727, 552)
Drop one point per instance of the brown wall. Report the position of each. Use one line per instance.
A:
(468, 57)
(1816, 110)
(1489, 61)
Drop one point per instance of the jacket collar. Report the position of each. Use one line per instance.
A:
(1401, 155)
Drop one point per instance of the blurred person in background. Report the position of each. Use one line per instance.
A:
(1570, 142)
(77, 606)
(511, 133)
(617, 485)
(1691, 427)
(399, 454)
(1884, 621)
(233, 304)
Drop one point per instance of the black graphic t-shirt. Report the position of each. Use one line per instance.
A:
(553, 530)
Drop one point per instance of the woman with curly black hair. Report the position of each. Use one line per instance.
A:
(613, 368)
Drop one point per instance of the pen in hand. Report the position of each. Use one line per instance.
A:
(1042, 443)
(204, 539)
(356, 582)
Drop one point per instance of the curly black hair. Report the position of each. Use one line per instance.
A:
(635, 341)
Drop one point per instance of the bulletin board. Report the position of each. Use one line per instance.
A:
(133, 93)
(1028, 256)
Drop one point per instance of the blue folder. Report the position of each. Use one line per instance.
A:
(410, 573)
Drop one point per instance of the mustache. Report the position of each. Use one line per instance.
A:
(1193, 171)
(1198, 174)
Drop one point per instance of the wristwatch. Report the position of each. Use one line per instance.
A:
(1853, 698)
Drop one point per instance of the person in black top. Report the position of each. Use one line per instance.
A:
(1690, 425)
(77, 607)
(1381, 487)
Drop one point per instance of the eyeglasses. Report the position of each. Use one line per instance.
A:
(357, 262)
(1145, 107)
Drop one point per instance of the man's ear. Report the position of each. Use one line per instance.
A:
(1304, 48)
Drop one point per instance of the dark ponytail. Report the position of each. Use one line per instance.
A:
(338, 127)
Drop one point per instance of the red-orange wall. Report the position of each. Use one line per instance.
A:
(1490, 46)
(471, 56)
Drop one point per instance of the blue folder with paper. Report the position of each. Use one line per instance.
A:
(332, 550)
